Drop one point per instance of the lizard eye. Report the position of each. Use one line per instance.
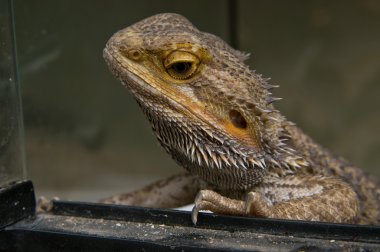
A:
(181, 65)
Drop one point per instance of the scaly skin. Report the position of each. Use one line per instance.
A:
(216, 118)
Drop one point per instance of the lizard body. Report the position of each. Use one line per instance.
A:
(216, 118)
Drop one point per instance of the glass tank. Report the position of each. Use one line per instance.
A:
(11, 126)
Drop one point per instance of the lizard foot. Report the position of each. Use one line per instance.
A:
(212, 201)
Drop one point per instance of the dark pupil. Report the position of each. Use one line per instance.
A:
(181, 67)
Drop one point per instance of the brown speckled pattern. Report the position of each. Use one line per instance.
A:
(267, 168)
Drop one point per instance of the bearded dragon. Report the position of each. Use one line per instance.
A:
(216, 118)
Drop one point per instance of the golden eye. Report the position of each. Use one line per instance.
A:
(181, 65)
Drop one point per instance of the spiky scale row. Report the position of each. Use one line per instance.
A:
(270, 99)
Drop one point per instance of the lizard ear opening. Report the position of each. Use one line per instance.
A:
(237, 119)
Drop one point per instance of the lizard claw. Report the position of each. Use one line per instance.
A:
(194, 215)
(200, 203)
(203, 201)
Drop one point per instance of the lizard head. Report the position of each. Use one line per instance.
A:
(207, 108)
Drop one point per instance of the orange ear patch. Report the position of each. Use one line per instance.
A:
(246, 135)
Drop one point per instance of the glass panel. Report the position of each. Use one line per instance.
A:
(86, 138)
(11, 127)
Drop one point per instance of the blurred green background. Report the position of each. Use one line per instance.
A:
(87, 139)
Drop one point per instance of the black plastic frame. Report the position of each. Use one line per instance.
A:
(80, 226)
(17, 202)
(319, 230)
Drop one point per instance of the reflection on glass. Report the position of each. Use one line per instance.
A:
(11, 127)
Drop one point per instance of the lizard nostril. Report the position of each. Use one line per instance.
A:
(133, 54)
(237, 119)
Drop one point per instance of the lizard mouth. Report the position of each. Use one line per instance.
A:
(145, 92)
(141, 89)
